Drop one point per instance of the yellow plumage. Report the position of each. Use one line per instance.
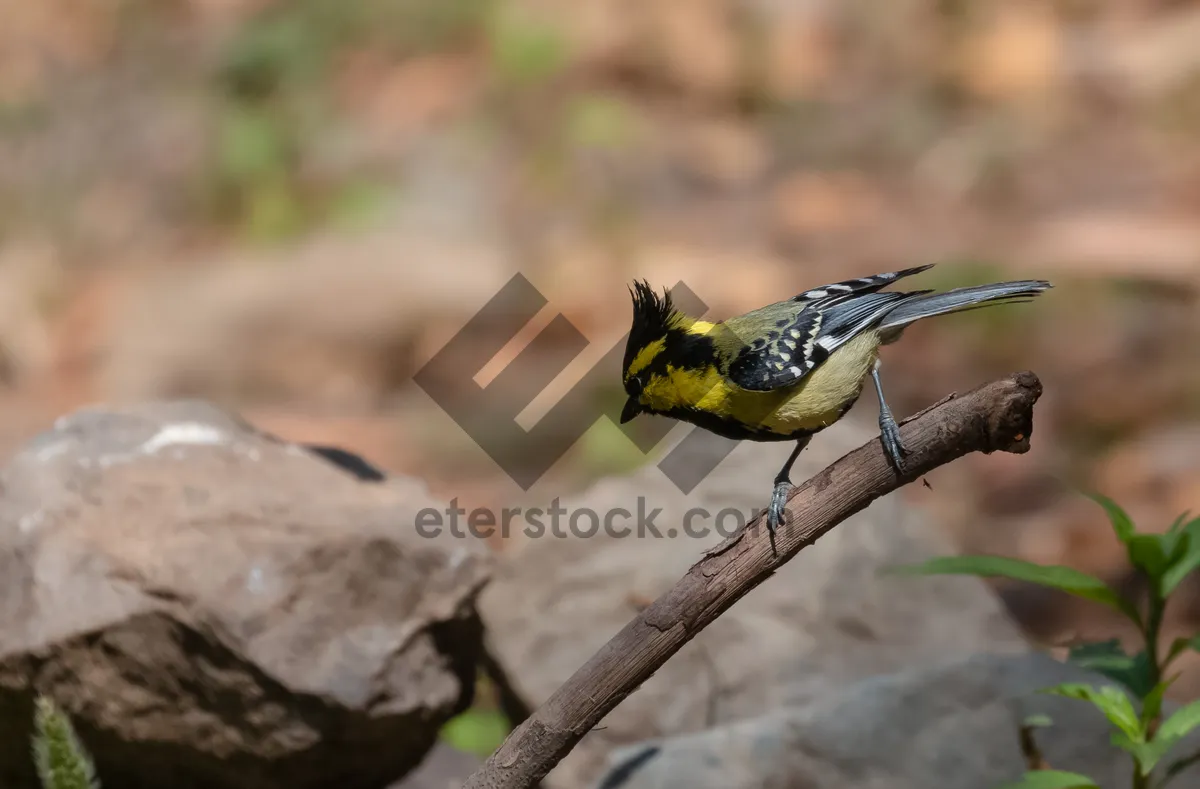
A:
(816, 402)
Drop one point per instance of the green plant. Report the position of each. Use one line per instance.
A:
(481, 728)
(61, 760)
(1164, 560)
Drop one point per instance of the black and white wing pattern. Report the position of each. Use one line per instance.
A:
(861, 285)
(786, 341)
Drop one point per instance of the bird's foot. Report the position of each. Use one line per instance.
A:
(775, 513)
(893, 447)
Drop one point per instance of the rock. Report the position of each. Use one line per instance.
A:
(338, 320)
(217, 607)
(948, 726)
(828, 617)
(443, 768)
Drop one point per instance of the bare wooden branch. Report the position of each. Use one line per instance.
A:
(994, 417)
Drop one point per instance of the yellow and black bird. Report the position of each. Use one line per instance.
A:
(788, 370)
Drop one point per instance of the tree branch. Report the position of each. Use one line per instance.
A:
(995, 417)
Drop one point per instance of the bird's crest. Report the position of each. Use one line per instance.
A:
(653, 317)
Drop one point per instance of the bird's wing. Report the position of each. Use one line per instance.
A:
(782, 343)
(861, 285)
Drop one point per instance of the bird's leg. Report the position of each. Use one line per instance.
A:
(783, 483)
(889, 431)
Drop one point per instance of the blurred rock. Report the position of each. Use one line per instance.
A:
(826, 619)
(949, 726)
(443, 768)
(383, 437)
(339, 320)
(216, 607)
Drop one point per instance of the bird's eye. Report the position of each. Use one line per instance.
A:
(634, 387)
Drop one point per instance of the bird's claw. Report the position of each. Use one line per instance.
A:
(776, 511)
(893, 447)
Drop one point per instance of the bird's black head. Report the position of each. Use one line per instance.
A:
(654, 320)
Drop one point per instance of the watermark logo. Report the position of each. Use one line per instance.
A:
(489, 413)
(558, 521)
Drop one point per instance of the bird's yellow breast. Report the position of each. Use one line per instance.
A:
(815, 402)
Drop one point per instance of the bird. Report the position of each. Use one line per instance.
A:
(788, 370)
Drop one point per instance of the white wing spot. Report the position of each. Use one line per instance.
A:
(816, 294)
(795, 333)
(795, 371)
(812, 335)
(790, 343)
(839, 286)
(787, 357)
(778, 366)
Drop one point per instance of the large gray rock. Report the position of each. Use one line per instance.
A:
(217, 608)
(949, 726)
(443, 768)
(827, 618)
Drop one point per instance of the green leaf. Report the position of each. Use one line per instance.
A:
(1149, 553)
(1176, 727)
(1109, 658)
(1149, 754)
(1067, 579)
(1122, 524)
(1145, 754)
(1179, 645)
(1152, 702)
(1176, 525)
(1052, 779)
(1183, 566)
(1113, 702)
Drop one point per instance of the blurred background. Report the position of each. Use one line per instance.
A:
(287, 207)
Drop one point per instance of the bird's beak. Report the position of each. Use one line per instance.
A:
(632, 408)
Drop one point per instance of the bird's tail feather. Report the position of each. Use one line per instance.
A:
(959, 300)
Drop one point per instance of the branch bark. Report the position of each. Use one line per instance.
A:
(995, 417)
